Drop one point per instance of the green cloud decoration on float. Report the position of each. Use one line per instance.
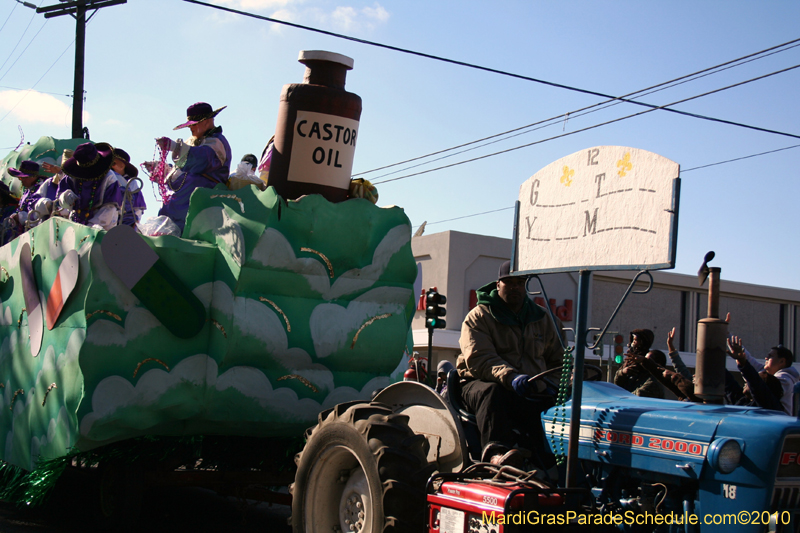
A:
(308, 304)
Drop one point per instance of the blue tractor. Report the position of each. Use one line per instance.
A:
(706, 466)
(646, 465)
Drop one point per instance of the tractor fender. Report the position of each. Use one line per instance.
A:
(429, 415)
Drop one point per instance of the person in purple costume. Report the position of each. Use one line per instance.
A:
(97, 188)
(133, 204)
(203, 160)
(28, 175)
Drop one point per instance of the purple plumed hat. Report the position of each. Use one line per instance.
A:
(90, 161)
(197, 113)
(27, 169)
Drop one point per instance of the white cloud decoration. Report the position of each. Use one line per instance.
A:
(274, 250)
(115, 394)
(332, 324)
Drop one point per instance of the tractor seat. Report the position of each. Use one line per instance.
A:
(454, 397)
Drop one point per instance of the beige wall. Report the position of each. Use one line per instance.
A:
(755, 309)
(455, 263)
(659, 310)
(756, 322)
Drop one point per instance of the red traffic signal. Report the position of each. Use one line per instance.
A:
(619, 346)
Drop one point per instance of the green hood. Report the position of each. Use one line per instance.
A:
(530, 312)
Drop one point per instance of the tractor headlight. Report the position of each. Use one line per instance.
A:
(725, 455)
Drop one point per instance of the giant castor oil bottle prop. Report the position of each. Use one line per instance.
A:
(315, 138)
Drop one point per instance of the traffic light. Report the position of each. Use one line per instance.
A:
(433, 312)
(619, 348)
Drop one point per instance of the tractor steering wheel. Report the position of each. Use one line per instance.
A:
(590, 373)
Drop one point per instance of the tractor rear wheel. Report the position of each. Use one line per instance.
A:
(362, 470)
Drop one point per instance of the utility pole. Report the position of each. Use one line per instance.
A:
(77, 9)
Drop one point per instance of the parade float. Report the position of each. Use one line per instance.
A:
(142, 357)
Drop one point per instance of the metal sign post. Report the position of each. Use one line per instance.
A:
(584, 279)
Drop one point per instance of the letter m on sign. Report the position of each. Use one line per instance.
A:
(591, 223)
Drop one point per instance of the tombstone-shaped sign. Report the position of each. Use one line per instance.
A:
(603, 208)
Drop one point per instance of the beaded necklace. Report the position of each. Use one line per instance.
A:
(159, 174)
(174, 189)
(80, 213)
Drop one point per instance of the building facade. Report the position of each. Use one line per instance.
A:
(459, 263)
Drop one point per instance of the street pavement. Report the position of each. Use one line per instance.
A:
(164, 509)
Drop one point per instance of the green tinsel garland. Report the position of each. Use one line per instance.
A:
(22, 487)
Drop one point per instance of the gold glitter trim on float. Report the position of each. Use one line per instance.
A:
(367, 323)
(51, 387)
(103, 311)
(278, 309)
(301, 379)
(13, 398)
(159, 361)
(219, 327)
(327, 261)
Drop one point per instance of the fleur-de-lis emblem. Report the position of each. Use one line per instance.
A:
(566, 177)
(624, 165)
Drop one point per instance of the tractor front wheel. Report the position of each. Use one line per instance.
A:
(362, 470)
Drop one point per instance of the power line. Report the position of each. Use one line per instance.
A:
(26, 48)
(18, 42)
(468, 216)
(683, 171)
(541, 125)
(642, 92)
(594, 126)
(43, 92)
(9, 17)
(479, 67)
(45, 74)
(37, 81)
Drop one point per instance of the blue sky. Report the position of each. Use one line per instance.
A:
(147, 60)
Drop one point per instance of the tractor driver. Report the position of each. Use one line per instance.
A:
(505, 340)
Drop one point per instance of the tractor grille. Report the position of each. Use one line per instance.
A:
(786, 498)
(785, 508)
(786, 493)
(784, 522)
